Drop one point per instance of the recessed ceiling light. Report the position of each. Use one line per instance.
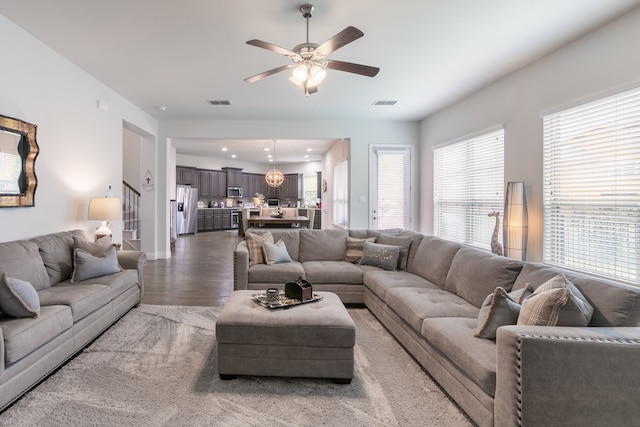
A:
(162, 107)
(233, 156)
(309, 149)
(385, 102)
(269, 156)
(266, 149)
(224, 148)
(306, 156)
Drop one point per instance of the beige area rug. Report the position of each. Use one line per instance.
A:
(156, 367)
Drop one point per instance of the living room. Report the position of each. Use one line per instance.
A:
(80, 122)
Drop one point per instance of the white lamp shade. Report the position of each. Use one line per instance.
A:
(105, 208)
(516, 224)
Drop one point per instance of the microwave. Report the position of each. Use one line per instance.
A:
(234, 192)
(273, 203)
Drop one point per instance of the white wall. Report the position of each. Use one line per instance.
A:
(80, 145)
(600, 63)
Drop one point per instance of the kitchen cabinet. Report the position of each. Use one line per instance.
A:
(291, 187)
(233, 177)
(253, 183)
(209, 222)
(211, 183)
(217, 219)
(185, 175)
(226, 219)
(200, 220)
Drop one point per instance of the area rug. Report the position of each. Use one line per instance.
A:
(157, 367)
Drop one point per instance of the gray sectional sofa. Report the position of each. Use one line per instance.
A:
(528, 375)
(71, 312)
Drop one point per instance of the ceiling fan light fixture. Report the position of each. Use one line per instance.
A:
(300, 73)
(317, 74)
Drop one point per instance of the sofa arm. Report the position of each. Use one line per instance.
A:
(129, 259)
(241, 266)
(567, 376)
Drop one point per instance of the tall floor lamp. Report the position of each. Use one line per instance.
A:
(104, 209)
(515, 228)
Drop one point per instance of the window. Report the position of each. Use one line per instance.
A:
(468, 186)
(310, 190)
(341, 194)
(592, 187)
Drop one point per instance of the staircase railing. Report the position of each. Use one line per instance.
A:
(131, 213)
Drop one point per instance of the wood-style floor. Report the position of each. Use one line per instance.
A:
(199, 272)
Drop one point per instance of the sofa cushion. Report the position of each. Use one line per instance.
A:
(22, 336)
(323, 245)
(355, 248)
(56, 251)
(416, 304)
(380, 281)
(275, 253)
(403, 243)
(18, 298)
(383, 256)
(475, 357)
(291, 237)
(21, 259)
(435, 256)
(556, 302)
(276, 273)
(332, 272)
(82, 299)
(118, 282)
(87, 266)
(475, 273)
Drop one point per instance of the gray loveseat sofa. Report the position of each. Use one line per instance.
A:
(528, 375)
(72, 312)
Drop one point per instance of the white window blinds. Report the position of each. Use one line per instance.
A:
(468, 186)
(392, 188)
(592, 187)
(341, 194)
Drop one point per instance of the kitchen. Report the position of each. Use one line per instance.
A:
(211, 200)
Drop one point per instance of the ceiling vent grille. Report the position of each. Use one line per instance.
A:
(385, 102)
(218, 102)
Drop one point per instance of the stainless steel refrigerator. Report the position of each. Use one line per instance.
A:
(187, 210)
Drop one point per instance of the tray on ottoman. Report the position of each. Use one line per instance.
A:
(312, 340)
(283, 302)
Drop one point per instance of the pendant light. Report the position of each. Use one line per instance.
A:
(274, 177)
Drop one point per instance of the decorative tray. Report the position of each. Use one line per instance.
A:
(284, 301)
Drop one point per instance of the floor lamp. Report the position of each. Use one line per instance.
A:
(516, 224)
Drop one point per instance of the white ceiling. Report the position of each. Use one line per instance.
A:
(179, 54)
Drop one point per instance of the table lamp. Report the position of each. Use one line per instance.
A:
(104, 209)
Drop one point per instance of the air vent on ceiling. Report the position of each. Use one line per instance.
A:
(218, 102)
(385, 103)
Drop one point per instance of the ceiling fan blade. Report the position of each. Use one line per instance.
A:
(344, 37)
(350, 67)
(266, 74)
(272, 47)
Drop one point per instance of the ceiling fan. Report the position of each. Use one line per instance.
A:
(308, 59)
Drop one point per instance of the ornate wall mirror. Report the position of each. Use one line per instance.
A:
(18, 151)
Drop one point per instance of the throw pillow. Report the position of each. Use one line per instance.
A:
(355, 247)
(557, 302)
(94, 248)
(254, 244)
(383, 256)
(18, 298)
(276, 253)
(521, 294)
(88, 266)
(404, 243)
(498, 309)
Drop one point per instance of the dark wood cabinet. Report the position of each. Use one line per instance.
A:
(253, 183)
(217, 219)
(226, 219)
(233, 177)
(211, 183)
(185, 175)
(209, 222)
(200, 220)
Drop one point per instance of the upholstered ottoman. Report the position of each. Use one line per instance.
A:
(308, 340)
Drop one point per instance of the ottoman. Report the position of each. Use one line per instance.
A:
(308, 340)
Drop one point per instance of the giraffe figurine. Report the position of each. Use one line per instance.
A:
(496, 247)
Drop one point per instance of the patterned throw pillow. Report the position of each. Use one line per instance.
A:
(557, 302)
(254, 244)
(18, 298)
(355, 248)
(88, 266)
(404, 243)
(275, 253)
(383, 256)
(499, 309)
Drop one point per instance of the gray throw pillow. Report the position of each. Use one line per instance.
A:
(383, 256)
(403, 243)
(498, 309)
(94, 248)
(18, 298)
(557, 302)
(88, 266)
(275, 253)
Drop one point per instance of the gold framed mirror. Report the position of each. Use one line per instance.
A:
(18, 152)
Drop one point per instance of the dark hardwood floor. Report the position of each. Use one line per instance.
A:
(199, 272)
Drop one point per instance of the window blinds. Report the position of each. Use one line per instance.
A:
(468, 185)
(392, 188)
(341, 194)
(592, 187)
